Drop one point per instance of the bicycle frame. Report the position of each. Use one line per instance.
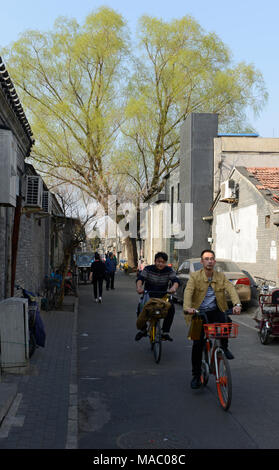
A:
(154, 327)
(214, 357)
(213, 352)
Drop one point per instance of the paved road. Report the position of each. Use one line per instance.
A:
(126, 401)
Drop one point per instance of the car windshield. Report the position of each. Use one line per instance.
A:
(85, 259)
(197, 266)
(184, 267)
(226, 266)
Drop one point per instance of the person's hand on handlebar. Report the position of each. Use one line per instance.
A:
(236, 310)
(190, 311)
(139, 287)
(172, 290)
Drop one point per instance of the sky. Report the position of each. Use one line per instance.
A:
(248, 27)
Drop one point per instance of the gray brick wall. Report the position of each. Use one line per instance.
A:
(3, 251)
(31, 253)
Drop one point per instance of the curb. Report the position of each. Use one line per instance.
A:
(7, 395)
(72, 433)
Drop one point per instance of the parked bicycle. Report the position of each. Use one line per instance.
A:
(268, 322)
(37, 335)
(70, 284)
(214, 360)
(52, 292)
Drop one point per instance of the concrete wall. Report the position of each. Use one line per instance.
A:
(196, 175)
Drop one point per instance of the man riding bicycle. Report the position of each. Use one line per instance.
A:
(156, 279)
(206, 291)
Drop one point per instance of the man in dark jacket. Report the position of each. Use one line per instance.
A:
(156, 278)
(97, 276)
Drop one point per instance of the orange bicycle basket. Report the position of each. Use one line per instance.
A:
(221, 330)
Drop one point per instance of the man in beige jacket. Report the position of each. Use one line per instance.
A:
(206, 291)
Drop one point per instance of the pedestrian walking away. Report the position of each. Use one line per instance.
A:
(206, 291)
(97, 276)
(110, 271)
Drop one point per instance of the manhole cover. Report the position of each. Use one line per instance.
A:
(153, 439)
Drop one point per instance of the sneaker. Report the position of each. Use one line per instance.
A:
(96, 300)
(196, 382)
(166, 337)
(140, 335)
(100, 300)
(228, 354)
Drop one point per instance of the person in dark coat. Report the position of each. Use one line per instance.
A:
(110, 271)
(97, 275)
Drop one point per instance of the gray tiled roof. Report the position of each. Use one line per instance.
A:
(8, 88)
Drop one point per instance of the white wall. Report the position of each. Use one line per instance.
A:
(236, 234)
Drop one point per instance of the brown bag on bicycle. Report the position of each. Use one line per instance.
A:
(195, 329)
(149, 308)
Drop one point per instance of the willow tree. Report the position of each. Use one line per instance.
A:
(69, 81)
(181, 69)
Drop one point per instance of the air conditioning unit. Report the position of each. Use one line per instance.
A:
(47, 202)
(8, 168)
(34, 191)
(228, 191)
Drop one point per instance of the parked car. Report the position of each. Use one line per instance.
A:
(84, 261)
(242, 280)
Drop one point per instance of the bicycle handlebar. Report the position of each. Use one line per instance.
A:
(162, 293)
(202, 313)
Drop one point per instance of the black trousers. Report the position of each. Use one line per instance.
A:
(97, 283)
(110, 280)
(213, 316)
(167, 322)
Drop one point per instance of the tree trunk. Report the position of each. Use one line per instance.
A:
(132, 254)
(64, 269)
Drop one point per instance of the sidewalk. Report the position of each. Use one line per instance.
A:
(38, 407)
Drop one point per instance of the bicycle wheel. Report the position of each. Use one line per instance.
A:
(157, 345)
(204, 369)
(224, 383)
(32, 343)
(264, 335)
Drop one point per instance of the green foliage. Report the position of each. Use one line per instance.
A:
(106, 119)
(69, 81)
(182, 69)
